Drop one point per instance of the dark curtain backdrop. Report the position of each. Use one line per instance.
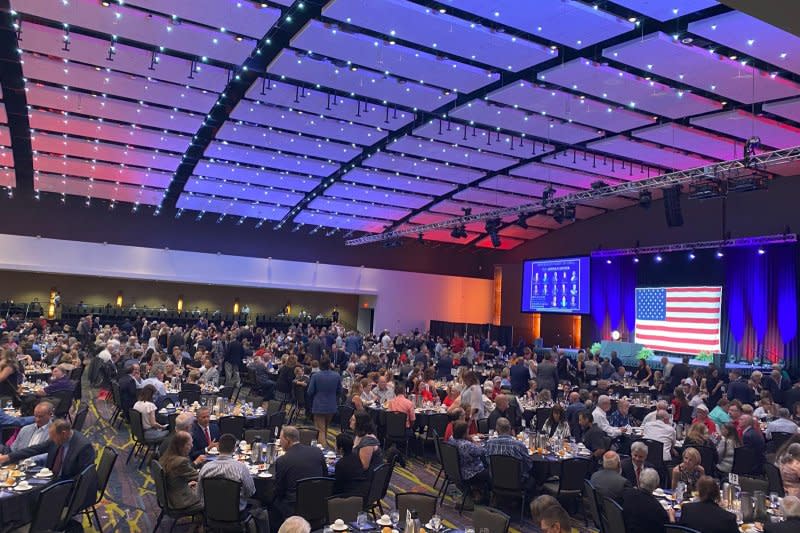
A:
(502, 334)
(759, 303)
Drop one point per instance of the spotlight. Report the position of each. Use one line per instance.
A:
(645, 199)
(420, 238)
(495, 238)
(492, 226)
(558, 214)
(691, 256)
(608, 261)
(659, 258)
(547, 195)
(761, 251)
(635, 259)
(569, 212)
(599, 184)
(459, 232)
(467, 211)
(615, 335)
(720, 254)
(393, 243)
(522, 220)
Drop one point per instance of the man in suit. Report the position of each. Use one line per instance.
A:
(633, 466)
(791, 513)
(68, 452)
(298, 462)
(444, 366)
(705, 515)
(547, 374)
(753, 439)
(738, 388)
(643, 512)
(608, 482)
(679, 373)
(205, 434)
(520, 375)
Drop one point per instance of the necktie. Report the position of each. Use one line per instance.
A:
(638, 471)
(208, 436)
(58, 461)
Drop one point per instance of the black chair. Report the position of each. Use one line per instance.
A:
(451, 464)
(117, 399)
(542, 414)
(745, 462)
(190, 396)
(221, 505)
(437, 425)
(51, 507)
(345, 508)
(590, 500)
(774, 479)
(250, 435)
(62, 400)
(307, 435)
(233, 425)
(345, 414)
(80, 418)
(777, 438)
(490, 519)
(507, 481)
(483, 426)
(140, 442)
(675, 528)
(378, 487)
(655, 456)
(613, 517)
(274, 406)
(424, 504)
(436, 443)
(396, 430)
(310, 492)
(275, 422)
(707, 455)
(226, 392)
(104, 469)
(570, 479)
(75, 376)
(82, 497)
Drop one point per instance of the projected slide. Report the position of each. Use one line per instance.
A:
(556, 286)
(682, 320)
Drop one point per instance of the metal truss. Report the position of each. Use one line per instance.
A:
(722, 171)
(699, 245)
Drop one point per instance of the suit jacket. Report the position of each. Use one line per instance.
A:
(299, 462)
(609, 484)
(520, 376)
(127, 392)
(790, 525)
(324, 388)
(629, 471)
(708, 517)
(755, 441)
(740, 390)
(80, 454)
(643, 513)
(547, 376)
(180, 494)
(199, 442)
(678, 374)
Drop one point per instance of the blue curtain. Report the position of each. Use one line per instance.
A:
(613, 296)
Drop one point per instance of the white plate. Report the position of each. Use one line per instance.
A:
(430, 527)
(388, 523)
(22, 489)
(265, 475)
(212, 451)
(339, 528)
(45, 476)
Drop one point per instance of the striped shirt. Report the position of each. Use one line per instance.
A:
(229, 468)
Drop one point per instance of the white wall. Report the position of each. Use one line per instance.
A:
(402, 300)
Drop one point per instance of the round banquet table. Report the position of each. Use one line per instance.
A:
(16, 508)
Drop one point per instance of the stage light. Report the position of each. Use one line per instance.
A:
(495, 238)
(635, 259)
(615, 335)
(608, 261)
(558, 214)
(492, 226)
(720, 254)
(691, 256)
(569, 212)
(522, 220)
(645, 199)
(548, 195)
(761, 251)
(659, 258)
(459, 232)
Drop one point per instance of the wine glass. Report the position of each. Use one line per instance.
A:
(436, 522)
(361, 520)
(394, 516)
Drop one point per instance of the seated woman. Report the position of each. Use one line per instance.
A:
(789, 464)
(350, 478)
(689, 470)
(697, 435)
(556, 425)
(180, 473)
(366, 445)
(705, 515)
(453, 393)
(191, 384)
(726, 446)
(355, 396)
(766, 408)
(152, 429)
(473, 458)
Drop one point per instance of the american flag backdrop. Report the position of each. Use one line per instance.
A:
(679, 319)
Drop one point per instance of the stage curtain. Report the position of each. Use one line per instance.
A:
(613, 296)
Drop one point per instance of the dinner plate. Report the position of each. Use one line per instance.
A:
(212, 451)
(334, 527)
(265, 475)
(45, 476)
(387, 523)
(22, 489)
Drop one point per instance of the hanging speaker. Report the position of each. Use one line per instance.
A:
(672, 206)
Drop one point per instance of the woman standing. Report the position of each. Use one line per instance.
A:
(10, 376)
(643, 372)
(324, 389)
(180, 473)
(283, 385)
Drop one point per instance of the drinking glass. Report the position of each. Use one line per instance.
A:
(361, 520)
(436, 522)
(314, 443)
(394, 516)
(327, 529)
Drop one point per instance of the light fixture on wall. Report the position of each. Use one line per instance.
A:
(51, 307)
(119, 299)
(180, 303)
(236, 306)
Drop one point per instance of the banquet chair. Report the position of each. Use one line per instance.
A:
(140, 442)
(437, 425)
(250, 435)
(104, 469)
(451, 464)
(487, 518)
(85, 493)
(570, 479)
(424, 504)
(51, 506)
(507, 483)
(221, 501)
(744, 462)
(275, 421)
(310, 492)
(707, 454)
(378, 487)
(226, 392)
(345, 414)
(396, 430)
(774, 479)
(307, 435)
(436, 443)
(190, 396)
(274, 406)
(346, 509)
(160, 482)
(233, 425)
(483, 426)
(542, 414)
(80, 418)
(675, 528)
(590, 500)
(116, 398)
(777, 439)
(614, 520)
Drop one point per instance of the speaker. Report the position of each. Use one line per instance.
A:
(672, 206)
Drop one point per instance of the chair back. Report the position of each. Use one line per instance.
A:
(160, 481)
(273, 406)
(506, 473)
(437, 425)
(424, 504)
(612, 514)
(299, 395)
(190, 396)
(542, 414)
(487, 518)
(590, 500)
(233, 425)
(744, 461)
(396, 425)
(451, 463)
(707, 454)
(116, 395)
(62, 401)
(345, 508)
(380, 478)
(307, 435)
(251, 434)
(276, 420)
(104, 469)
(310, 492)
(655, 453)
(221, 500)
(80, 419)
(51, 506)
(573, 472)
(777, 439)
(675, 528)
(483, 426)
(85, 493)
(226, 392)
(137, 428)
(774, 479)
(345, 414)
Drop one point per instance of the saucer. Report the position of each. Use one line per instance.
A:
(265, 475)
(41, 475)
(380, 522)
(20, 488)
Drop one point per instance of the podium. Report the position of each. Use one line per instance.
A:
(625, 350)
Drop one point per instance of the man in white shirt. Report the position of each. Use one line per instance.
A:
(157, 381)
(38, 431)
(662, 405)
(782, 424)
(661, 430)
(601, 418)
(382, 392)
(111, 348)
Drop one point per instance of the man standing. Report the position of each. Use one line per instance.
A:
(753, 439)
(547, 374)
(234, 355)
(298, 462)
(679, 373)
(520, 375)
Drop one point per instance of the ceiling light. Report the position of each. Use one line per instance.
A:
(761, 251)
(632, 19)
(658, 258)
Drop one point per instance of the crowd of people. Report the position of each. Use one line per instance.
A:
(700, 416)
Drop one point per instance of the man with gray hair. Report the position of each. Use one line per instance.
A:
(608, 482)
(633, 466)
(782, 424)
(295, 524)
(661, 430)
(661, 405)
(601, 418)
(643, 512)
(791, 513)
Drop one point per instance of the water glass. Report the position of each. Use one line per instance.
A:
(327, 529)
(469, 530)
(394, 516)
(436, 522)
(361, 520)
(314, 443)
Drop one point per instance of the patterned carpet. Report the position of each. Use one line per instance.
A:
(130, 504)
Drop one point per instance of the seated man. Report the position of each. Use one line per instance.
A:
(382, 392)
(555, 520)
(632, 466)
(601, 419)
(621, 417)
(782, 424)
(295, 524)
(36, 432)
(205, 433)
(59, 381)
(472, 456)
(503, 408)
(661, 430)
(608, 481)
(705, 514)
(229, 468)
(643, 512)
(401, 404)
(298, 462)
(209, 372)
(506, 444)
(593, 437)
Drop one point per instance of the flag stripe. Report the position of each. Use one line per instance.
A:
(689, 328)
(695, 320)
(695, 299)
(694, 289)
(696, 339)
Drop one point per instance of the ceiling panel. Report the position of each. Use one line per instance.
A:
(235, 208)
(403, 183)
(480, 139)
(743, 125)
(664, 55)
(602, 165)
(483, 112)
(270, 159)
(587, 24)
(627, 89)
(238, 191)
(383, 197)
(417, 167)
(651, 153)
(559, 175)
(261, 137)
(332, 205)
(362, 82)
(515, 185)
(6, 158)
(451, 35)
(788, 109)
(426, 148)
(753, 37)
(692, 139)
(256, 176)
(520, 233)
(492, 198)
(569, 106)
(46, 182)
(383, 56)
(666, 10)
(101, 171)
(95, 150)
(341, 222)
